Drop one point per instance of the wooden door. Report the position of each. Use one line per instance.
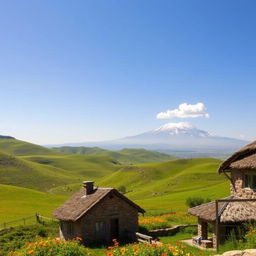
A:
(114, 228)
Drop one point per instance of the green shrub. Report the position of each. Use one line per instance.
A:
(195, 201)
(16, 238)
(122, 189)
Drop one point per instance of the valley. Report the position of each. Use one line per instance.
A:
(35, 179)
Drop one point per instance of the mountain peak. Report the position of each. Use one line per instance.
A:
(180, 129)
(175, 127)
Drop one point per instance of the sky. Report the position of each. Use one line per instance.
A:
(88, 70)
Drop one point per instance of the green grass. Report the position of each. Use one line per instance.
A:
(79, 166)
(18, 147)
(14, 239)
(162, 186)
(157, 187)
(23, 173)
(124, 156)
(17, 202)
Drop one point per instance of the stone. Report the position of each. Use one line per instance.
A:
(233, 253)
(249, 252)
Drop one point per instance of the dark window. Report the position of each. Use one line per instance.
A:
(100, 226)
(250, 181)
(70, 228)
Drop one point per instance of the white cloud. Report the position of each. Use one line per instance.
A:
(185, 111)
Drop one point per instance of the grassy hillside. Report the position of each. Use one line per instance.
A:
(126, 156)
(157, 187)
(17, 202)
(79, 166)
(18, 147)
(47, 172)
(80, 150)
(165, 186)
(161, 187)
(19, 172)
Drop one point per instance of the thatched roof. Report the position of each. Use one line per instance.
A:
(228, 211)
(239, 212)
(243, 159)
(79, 204)
(206, 211)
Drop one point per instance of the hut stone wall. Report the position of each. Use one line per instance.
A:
(97, 224)
(237, 187)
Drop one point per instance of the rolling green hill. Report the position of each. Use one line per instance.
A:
(167, 185)
(28, 171)
(164, 186)
(18, 147)
(156, 187)
(125, 156)
(23, 173)
(79, 166)
(17, 202)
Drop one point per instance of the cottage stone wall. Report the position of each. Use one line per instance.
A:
(202, 229)
(237, 187)
(64, 230)
(111, 207)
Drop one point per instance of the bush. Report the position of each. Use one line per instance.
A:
(16, 238)
(52, 247)
(195, 201)
(122, 189)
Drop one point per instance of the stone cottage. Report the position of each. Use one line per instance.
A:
(240, 207)
(98, 214)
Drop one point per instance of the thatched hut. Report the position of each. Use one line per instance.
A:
(240, 207)
(98, 214)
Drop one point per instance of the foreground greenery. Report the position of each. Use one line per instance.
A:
(16, 238)
(41, 240)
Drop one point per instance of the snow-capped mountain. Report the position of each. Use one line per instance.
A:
(182, 139)
(174, 129)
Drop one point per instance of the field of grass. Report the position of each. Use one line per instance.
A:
(19, 172)
(166, 186)
(157, 187)
(79, 166)
(17, 202)
(18, 147)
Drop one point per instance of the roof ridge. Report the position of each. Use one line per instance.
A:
(245, 151)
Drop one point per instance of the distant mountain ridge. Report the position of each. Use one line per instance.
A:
(125, 156)
(6, 137)
(181, 139)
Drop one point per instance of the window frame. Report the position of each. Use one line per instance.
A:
(100, 226)
(250, 181)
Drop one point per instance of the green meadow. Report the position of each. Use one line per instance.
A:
(124, 156)
(36, 179)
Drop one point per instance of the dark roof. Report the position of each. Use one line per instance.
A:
(79, 204)
(243, 159)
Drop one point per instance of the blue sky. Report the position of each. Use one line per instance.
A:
(73, 71)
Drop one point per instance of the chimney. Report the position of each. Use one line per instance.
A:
(88, 187)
